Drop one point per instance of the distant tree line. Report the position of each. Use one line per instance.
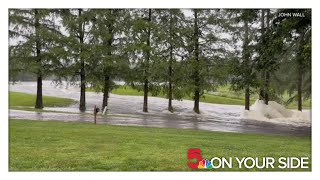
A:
(172, 51)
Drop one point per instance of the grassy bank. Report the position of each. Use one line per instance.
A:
(60, 146)
(28, 100)
(223, 95)
(207, 98)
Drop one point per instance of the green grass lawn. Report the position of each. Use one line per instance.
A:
(28, 100)
(223, 95)
(215, 99)
(127, 90)
(208, 98)
(61, 146)
(225, 91)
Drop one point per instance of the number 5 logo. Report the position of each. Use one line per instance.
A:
(194, 153)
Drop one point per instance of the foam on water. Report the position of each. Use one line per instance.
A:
(276, 113)
(121, 104)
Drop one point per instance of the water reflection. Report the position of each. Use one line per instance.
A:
(169, 121)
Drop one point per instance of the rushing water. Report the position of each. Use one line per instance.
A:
(126, 110)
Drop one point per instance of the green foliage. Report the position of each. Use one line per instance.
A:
(35, 42)
(175, 52)
(274, 49)
(141, 53)
(243, 71)
(77, 45)
(169, 48)
(205, 55)
(108, 47)
(296, 58)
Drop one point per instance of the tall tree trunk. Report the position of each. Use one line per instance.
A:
(261, 91)
(299, 86)
(145, 96)
(196, 101)
(246, 57)
(82, 88)
(262, 73)
(106, 90)
(82, 106)
(146, 82)
(247, 98)
(267, 78)
(267, 81)
(300, 71)
(39, 103)
(196, 72)
(170, 108)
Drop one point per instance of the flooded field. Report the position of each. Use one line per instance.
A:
(127, 110)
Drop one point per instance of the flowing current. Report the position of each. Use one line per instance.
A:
(127, 110)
